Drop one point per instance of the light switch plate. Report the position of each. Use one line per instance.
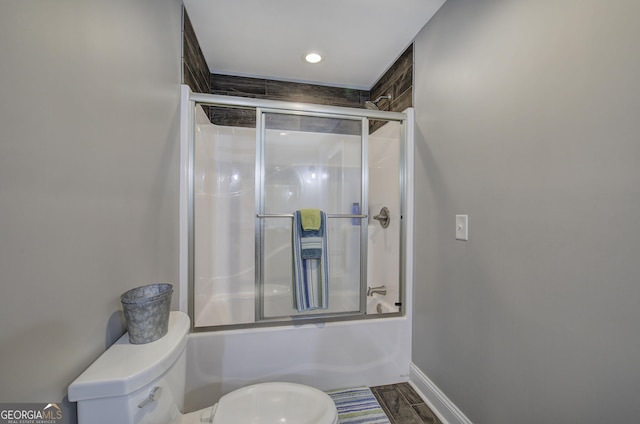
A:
(462, 227)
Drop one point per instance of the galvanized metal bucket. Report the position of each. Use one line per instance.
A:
(146, 311)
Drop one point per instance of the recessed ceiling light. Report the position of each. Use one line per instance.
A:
(313, 58)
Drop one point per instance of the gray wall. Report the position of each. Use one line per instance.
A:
(89, 122)
(528, 120)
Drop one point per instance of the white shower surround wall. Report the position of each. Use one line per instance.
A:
(224, 196)
(383, 262)
(326, 356)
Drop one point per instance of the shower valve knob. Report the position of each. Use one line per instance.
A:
(383, 217)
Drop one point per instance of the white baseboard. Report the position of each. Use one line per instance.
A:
(439, 403)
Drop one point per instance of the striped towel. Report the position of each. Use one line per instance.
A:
(310, 265)
(358, 406)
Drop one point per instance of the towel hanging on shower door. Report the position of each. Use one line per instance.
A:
(310, 260)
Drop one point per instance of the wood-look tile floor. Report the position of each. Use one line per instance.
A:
(403, 405)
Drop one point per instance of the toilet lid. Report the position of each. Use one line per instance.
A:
(276, 403)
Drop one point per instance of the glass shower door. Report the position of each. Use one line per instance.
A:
(223, 216)
(310, 162)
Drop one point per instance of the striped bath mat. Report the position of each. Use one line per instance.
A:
(358, 405)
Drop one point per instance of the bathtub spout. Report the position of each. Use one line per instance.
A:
(377, 290)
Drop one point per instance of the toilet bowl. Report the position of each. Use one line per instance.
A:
(145, 384)
(270, 403)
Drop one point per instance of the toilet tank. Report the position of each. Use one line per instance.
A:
(112, 388)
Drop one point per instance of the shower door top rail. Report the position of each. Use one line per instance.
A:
(246, 102)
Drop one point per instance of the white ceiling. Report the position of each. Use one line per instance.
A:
(359, 39)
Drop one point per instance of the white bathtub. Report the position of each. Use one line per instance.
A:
(381, 305)
(326, 356)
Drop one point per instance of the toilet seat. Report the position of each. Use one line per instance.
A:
(274, 403)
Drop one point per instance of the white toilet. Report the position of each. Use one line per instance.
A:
(145, 384)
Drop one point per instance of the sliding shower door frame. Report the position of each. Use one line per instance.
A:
(261, 139)
(262, 106)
